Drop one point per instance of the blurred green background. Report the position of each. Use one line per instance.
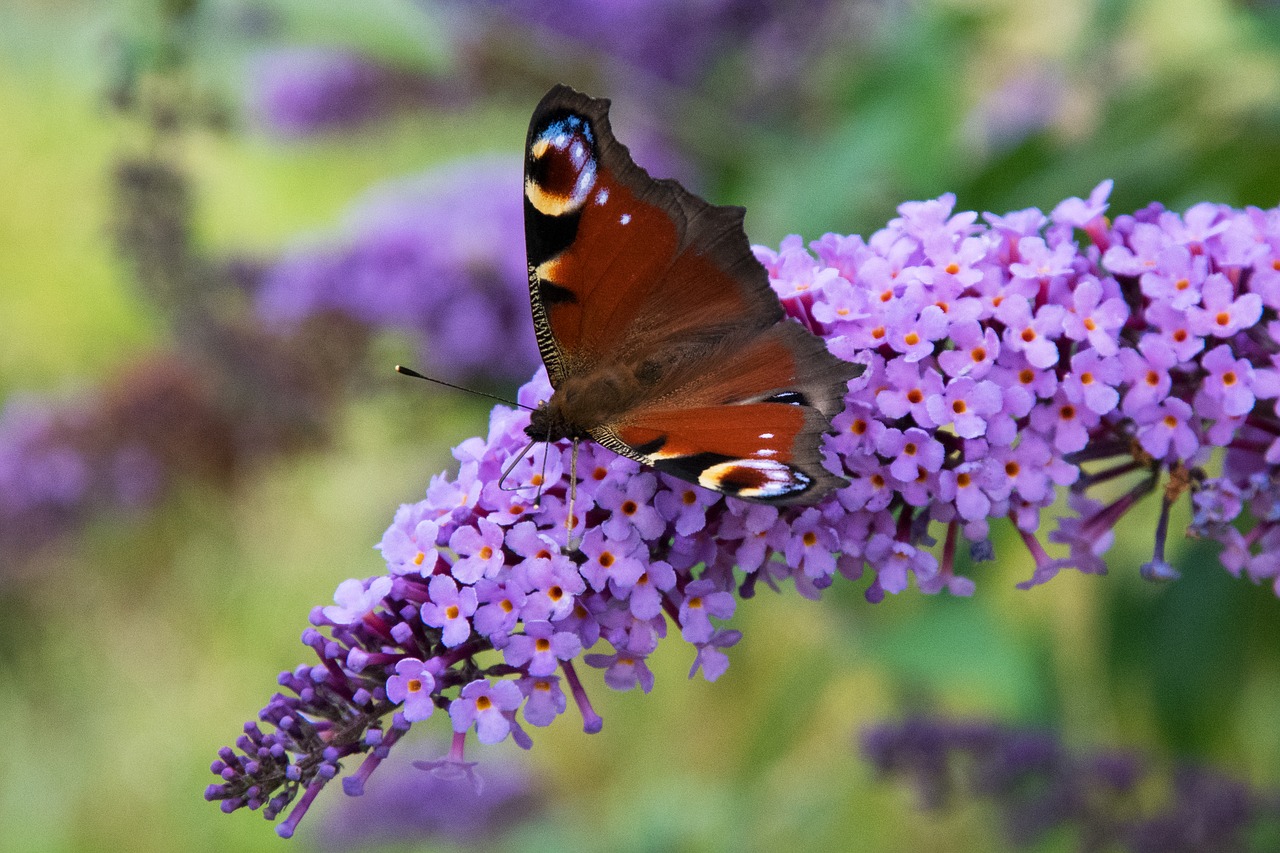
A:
(132, 649)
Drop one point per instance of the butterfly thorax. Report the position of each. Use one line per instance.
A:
(583, 403)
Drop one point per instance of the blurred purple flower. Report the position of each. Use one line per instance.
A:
(439, 256)
(409, 805)
(1041, 788)
(680, 42)
(114, 449)
(307, 90)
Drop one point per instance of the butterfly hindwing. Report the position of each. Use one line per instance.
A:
(661, 335)
(749, 418)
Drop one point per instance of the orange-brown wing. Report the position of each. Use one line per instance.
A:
(760, 451)
(747, 419)
(622, 266)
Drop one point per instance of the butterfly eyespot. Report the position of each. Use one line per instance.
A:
(561, 172)
(755, 478)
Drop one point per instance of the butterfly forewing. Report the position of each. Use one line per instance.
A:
(620, 263)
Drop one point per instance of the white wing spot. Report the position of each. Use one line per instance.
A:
(602, 196)
(766, 435)
(624, 218)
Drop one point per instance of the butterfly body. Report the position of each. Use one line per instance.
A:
(660, 333)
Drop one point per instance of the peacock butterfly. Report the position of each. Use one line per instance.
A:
(662, 338)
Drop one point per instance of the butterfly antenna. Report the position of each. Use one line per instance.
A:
(408, 371)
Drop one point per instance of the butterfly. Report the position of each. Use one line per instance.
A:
(660, 333)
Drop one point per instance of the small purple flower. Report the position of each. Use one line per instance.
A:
(611, 560)
(1222, 313)
(544, 700)
(1229, 381)
(413, 686)
(909, 391)
(554, 584)
(499, 608)
(808, 544)
(630, 504)
(1081, 213)
(1094, 318)
(479, 549)
(711, 658)
(966, 405)
(1166, 431)
(976, 350)
(488, 706)
(540, 648)
(645, 598)
(623, 670)
(703, 600)
(685, 505)
(1035, 335)
(450, 608)
(1093, 380)
(354, 601)
(910, 452)
(1040, 262)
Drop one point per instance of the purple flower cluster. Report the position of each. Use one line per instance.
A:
(62, 461)
(1041, 787)
(438, 256)
(1001, 360)
(1006, 360)
(304, 91)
